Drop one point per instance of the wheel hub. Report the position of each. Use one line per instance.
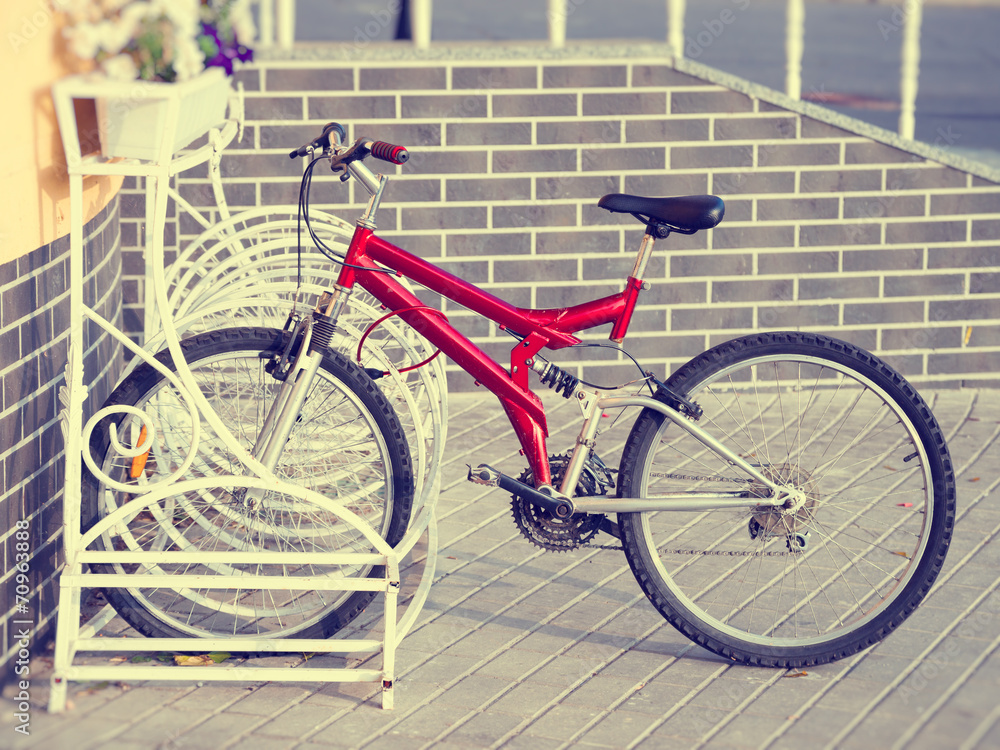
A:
(793, 515)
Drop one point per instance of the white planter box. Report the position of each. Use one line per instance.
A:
(135, 124)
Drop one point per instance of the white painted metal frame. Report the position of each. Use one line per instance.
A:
(179, 302)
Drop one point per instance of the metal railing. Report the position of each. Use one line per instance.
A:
(277, 28)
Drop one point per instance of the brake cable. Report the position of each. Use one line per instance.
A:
(371, 371)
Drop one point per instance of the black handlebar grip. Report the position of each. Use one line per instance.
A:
(388, 152)
(319, 142)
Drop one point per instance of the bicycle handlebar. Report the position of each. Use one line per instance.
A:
(331, 128)
(361, 148)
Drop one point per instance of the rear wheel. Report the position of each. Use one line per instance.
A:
(824, 576)
(347, 446)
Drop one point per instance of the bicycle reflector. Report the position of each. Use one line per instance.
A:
(139, 462)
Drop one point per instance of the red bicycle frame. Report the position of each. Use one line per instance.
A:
(544, 328)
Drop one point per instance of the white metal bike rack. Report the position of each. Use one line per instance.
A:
(240, 271)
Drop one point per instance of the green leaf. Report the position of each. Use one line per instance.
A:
(140, 658)
(219, 656)
(165, 657)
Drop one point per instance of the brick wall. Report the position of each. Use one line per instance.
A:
(34, 336)
(830, 225)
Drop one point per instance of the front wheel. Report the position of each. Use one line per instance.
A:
(811, 581)
(347, 445)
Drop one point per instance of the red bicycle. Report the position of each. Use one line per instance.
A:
(783, 499)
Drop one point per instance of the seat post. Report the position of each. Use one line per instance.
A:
(634, 283)
(654, 231)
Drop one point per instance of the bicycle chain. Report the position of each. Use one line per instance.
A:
(716, 553)
(693, 478)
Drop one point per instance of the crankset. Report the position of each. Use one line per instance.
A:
(543, 528)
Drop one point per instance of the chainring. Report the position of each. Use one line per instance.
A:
(545, 530)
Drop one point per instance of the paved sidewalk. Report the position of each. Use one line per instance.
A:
(519, 648)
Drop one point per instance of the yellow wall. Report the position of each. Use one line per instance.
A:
(34, 189)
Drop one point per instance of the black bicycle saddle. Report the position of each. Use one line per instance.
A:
(687, 213)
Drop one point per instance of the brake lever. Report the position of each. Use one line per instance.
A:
(339, 161)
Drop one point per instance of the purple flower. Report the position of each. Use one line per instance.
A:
(221, 52)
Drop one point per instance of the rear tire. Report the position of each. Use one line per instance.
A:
(803, 585)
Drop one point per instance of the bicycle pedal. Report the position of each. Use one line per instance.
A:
(485, 475)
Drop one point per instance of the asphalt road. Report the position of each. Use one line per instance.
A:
(851, 49)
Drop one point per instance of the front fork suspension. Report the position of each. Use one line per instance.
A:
(287, 405)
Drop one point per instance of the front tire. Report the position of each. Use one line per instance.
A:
(830, 576)
(347, 445)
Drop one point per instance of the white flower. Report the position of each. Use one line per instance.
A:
(134, 13)
(188, 59)
(79, 11)
(84, 41)
(183, 14)
(114, 36)
(241, 18)
(110, 6)
(120, 68)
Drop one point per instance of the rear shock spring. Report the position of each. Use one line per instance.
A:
(557, 378)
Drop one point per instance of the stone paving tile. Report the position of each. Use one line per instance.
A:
(211, 697)
(919, 691)
(527, 698)
(600, 692)
(655, 698)
(906, 641)
(256, 741)
(214, 732)
(428, 721)
(296, 721)
(563, 671)
(804, 731)
(440, 670)
(532, 742)
(485, 728)
(473, 691)
(747, 730)
(876, 731)
(787, 697)
(164, 722)
(482, 642)
(83, 733)
(728, 691)
(852, 696)
(560, 721)
(629, 664)
(617, 729)
(992, 737)
(690, 723)
(542, 653)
